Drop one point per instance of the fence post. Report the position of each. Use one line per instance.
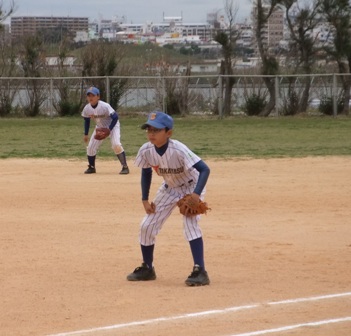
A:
(164, 95)
(108, 89)
(276, 85)
(51, 97)
(220, 97)
(335, 100)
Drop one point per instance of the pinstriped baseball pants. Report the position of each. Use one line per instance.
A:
(115, 137)
(165, 201)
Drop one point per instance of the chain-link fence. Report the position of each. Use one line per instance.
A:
(61, 96)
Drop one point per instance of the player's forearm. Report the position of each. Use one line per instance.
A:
(114, 117)
(204, 173)
(146, 177)
(86, 126)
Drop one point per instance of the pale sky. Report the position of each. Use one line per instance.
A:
(136, 11)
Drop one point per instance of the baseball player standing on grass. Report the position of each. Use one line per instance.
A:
(105, 117)
(183, 173)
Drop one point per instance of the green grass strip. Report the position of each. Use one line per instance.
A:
(206, 136)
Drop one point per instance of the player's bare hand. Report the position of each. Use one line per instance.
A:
(149, 207)
(86, 139)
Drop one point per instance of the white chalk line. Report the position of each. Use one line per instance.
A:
(212, 312)
(313, 298)
(295, 326)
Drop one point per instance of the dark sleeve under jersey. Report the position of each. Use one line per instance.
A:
(146, 177)
(114, 117)
(86, 125)
(204, 171)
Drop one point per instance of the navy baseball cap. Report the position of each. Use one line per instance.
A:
(159, 120)
(93, 90)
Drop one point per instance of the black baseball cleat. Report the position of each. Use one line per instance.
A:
(142, 273)
(198, 277)
(90, 170)
(124, 171)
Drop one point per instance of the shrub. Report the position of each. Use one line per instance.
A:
(5, 106)
(326, 105)
(67, 108)
(290, 104)
(172, 105)
(254, 105)
(32, 109)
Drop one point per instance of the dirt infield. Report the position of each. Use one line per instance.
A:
(279, 230)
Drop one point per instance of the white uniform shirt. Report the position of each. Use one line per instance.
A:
(175, 165)
(101, 114)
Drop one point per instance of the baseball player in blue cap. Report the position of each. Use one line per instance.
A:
(105, 117)
(183, 173)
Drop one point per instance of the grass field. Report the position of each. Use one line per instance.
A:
(208, 137)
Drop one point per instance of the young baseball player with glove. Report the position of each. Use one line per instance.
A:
(184, 173)
(107, 125)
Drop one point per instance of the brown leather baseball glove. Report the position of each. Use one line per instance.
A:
(102, 133)
(189, 208)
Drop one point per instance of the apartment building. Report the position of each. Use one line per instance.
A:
(273, 32)
(274, 29)
(29, 25)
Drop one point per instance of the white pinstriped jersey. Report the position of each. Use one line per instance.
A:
(101, 114)
(175, 165)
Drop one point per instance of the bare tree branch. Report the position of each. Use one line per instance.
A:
(4, 14)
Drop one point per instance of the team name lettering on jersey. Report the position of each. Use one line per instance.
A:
(164, 171)
(97, 116)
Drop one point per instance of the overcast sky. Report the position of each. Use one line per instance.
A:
(136, 11)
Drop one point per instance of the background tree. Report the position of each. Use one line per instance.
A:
(302, 50)
(32, 62)
(69, 100)
(5, 13)
(338, 14)
(8, 68)
(172, 89)
(270, 66)
(228, 42)
(8, 88)
(102, 58)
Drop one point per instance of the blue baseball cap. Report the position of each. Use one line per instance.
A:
(93, 90)
(159, 120)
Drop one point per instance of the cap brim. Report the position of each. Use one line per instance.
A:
(153, 124)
